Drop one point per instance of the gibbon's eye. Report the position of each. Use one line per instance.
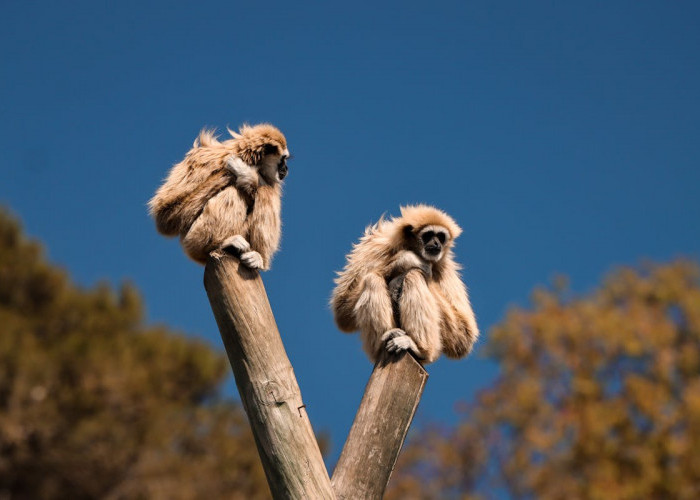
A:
(441, 237)
(427, 236)
(270, 149)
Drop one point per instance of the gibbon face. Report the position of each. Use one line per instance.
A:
(273, 167)
(429, 242)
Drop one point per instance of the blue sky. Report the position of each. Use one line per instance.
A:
(563, 136)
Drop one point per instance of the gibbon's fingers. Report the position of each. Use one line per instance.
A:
(237, 242)
(393, 333)
(252, 259)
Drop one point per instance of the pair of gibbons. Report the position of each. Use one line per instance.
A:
(401, 286)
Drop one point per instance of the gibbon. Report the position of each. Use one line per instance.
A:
(226, 195)
(402, 289)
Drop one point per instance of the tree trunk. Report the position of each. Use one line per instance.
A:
(378, 432)
(266, 382)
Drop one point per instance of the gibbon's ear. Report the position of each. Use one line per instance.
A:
(254, 155)
(407, 230)
(257, 154)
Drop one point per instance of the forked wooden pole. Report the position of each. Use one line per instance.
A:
(266, 382)
(380, 427)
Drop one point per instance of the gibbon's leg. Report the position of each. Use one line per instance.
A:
(222, 217)
(460, 330)
(197, 242)
(373, 314)
(420, 316)
(455, 343)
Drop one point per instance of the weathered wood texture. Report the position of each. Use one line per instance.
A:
(380, 427)
(266, 382)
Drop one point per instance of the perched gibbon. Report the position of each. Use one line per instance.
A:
(401, 288)
(226, 195)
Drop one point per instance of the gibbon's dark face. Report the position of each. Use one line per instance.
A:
(282, 169)
(433, 240)
(274, 165)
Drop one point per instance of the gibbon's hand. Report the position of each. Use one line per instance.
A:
(243, 173)
(238, 243)
(397, 341)
(407, 260)
(252, 259)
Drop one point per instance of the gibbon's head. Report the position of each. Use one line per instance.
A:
(264, 147)
(427, 231)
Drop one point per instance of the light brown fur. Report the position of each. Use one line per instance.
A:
(206, 203)
(433, 307)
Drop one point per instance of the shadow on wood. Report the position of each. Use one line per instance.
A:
(266, 382)
(378, 432)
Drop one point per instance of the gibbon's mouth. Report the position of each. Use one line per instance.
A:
(282, 171)
(433, 251)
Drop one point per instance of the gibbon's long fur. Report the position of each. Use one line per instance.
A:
(206, 203)
(433, 307)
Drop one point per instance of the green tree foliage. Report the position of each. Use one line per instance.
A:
(598, 397)
(95, 404)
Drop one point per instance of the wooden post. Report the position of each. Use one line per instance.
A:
(266, 382)
(378, 432)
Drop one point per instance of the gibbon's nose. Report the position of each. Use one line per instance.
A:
(432, 248)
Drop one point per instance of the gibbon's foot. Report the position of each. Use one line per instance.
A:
(238, 243)
(397, 341)
(252, 259)
(393, 333)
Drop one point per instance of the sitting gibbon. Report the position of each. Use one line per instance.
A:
(226, 195)
(401, 288)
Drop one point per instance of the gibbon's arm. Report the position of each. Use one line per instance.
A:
(183, 195)
(420, 315)
(349, 285)
(373, 313)
(264, 223)
(460, 330)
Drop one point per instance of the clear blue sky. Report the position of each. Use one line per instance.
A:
(563, 136)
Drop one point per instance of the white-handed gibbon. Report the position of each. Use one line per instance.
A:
(226, 195)
(402, 289)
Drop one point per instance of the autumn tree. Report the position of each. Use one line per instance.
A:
(598, 397)
(96, 404)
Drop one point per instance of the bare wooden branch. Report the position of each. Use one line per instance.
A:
(378, 432)
(266, 381)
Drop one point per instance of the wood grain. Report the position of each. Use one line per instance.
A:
(266, 382)
(380, 427)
